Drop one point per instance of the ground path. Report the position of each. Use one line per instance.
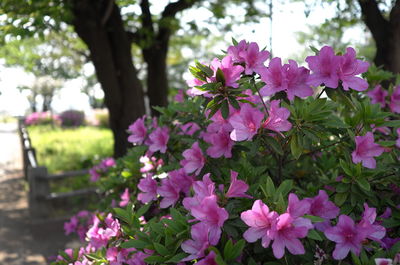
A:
(22, 241)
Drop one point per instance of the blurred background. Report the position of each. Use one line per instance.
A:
(74, 74)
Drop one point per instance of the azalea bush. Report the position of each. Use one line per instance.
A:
(41, 118)
(259, 162)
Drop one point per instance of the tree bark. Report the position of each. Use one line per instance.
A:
(386, 34)
(157, 80)
(99, 24)
(156, 50)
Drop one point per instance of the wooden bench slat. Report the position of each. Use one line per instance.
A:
(63, 195)
(67, 174)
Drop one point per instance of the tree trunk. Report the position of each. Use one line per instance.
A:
(99, 24)
(386, 34)
(157, 80)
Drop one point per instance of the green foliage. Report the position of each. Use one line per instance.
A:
(70, 149)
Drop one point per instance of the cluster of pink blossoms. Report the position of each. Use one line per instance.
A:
(378, 96)
(157, 140)
(79, 224)
(286, 229)
(203, 206)
(98, 170)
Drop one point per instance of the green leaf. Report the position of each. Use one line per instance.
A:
(270, 187)
(205, 69)
(143, 209)
(393, 124)
(134, 243)
(177, 258)
(313, 234)
(126, 174)
(363, 183)
(234, 42)
(340, 198)
(123, 215)
(315, 50)
(285, 187)
(162, 250)
(387, 143)
(154, 259)
(234, 103)
(271, 141)
(295, 146)
(225, 109)
(346, 168)
(314, 218)
(220, 76)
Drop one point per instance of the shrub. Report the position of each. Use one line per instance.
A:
(72, 118)
(262, 165)
(41, 118)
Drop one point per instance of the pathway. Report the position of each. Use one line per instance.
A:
(22, 242)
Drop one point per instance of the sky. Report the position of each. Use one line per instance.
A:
(287, 20)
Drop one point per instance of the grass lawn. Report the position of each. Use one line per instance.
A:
(61, 149)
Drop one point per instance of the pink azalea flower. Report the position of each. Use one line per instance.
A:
(193, 91)
(322, 207)
(189, 128)
(378, 95)
(181, 180)
(169, 191)
(245, 123)
(221, 144)
(395, 100)
(158, 140)
(235, 51)
(179, 97)
(237, 188)
(289, 78)
(138, 131)
(253, 58)
(219, 123)
(148, 186)
(324, 67)
(290, 226)
(261, 222)
(349, 67)
(277, 119)
(366, 150)
(212, 215)
(297, 208)
(375, 231)
(99, 235)
(231, 72)
(208, 260)
(398, 139)
(125, 198)
(108, 162)
(286, 234)
(199, 242)
(202, 189)
(381, 261)
(194, 160)
(347, 235)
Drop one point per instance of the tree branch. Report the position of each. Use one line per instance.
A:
(395, 14)
(374, 19)
(147, 21)
(173, 8)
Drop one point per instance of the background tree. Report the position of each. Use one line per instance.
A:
(109, 28)
(44, 87)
